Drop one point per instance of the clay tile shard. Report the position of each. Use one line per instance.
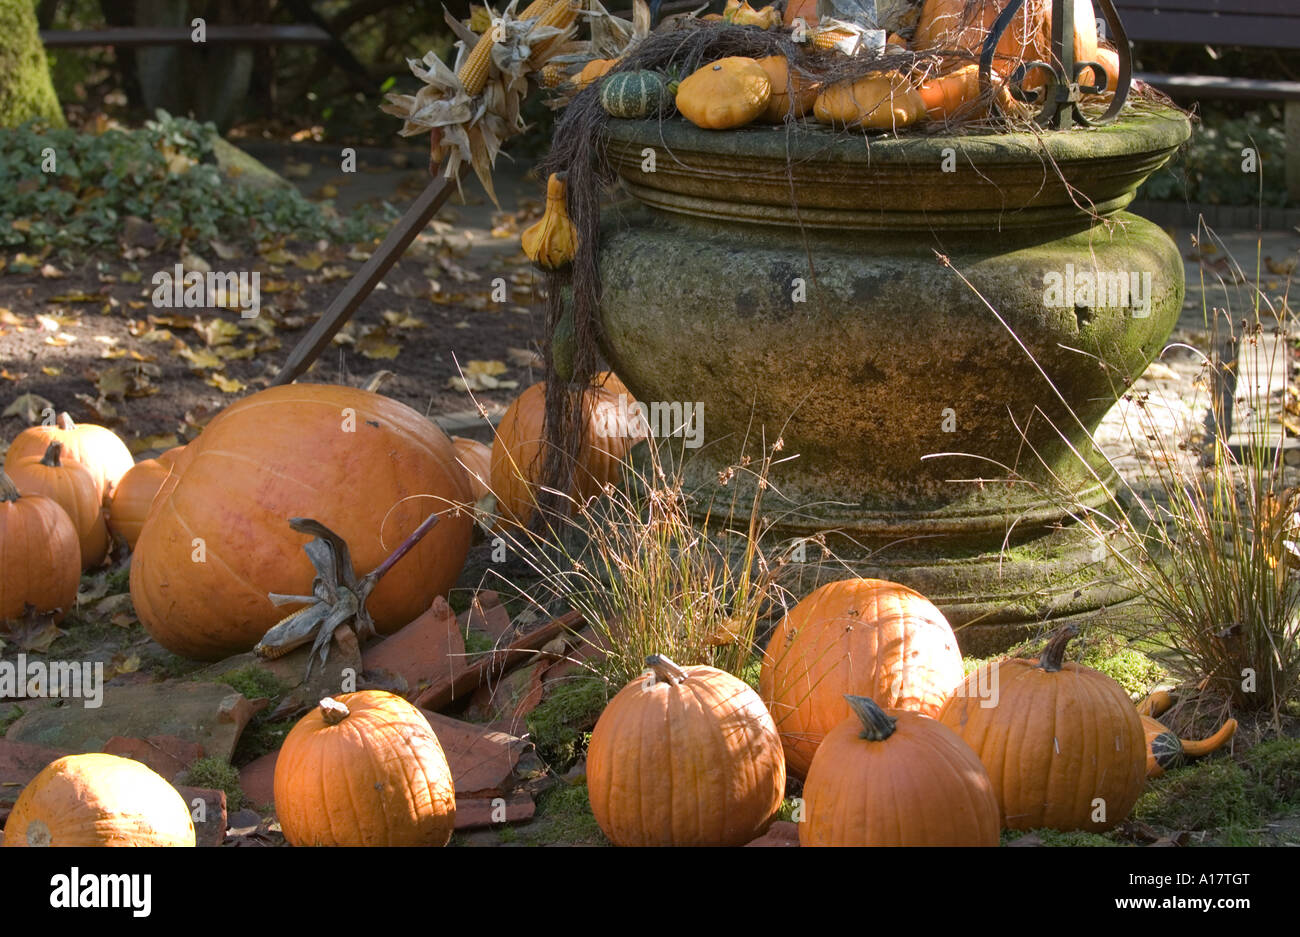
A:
(167, 755)
(257, 780)
(780, 833)
(474, 813)
(487, 614)
(429, 650)
(208, 807)
(19, 763)
(481, 760)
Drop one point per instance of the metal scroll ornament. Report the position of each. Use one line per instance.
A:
(1064, 89)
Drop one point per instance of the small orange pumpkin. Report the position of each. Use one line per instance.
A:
(947, 96)
(476, 459)
(855, 637)
(1165, 749)
(364, 769)
(135, 493)
(800, 9)
(517, 453)
(730, 92)
(684, 756)
(40, 554)
(73, 488)
(1061, 742)
(99, 800)
(896, 778)
(99, 449)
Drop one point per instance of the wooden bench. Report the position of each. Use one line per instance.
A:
(1261, 24)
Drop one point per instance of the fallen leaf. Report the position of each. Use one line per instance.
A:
(524, 358)
(159, 441)
(309, 261)
(216, 331)
(51, 372)
(100, 409)
(227, 385)
(30, 408)
(77, 297)
(51, 272)
(33, 632)
(202, 359)
(8, 318)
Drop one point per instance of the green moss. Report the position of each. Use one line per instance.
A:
(217, 774)
(1059, 838)
(1273, 771)
(787, 809)
(260, 737)
(26, 91)
(1131, 669)
(1206, 796)
(560, 727)
(564, 816)
(253, 682)
(8, 716)
(476, 642)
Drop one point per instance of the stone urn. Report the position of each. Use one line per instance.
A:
(934, 324)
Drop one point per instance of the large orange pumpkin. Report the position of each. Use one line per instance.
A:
(476, 459)
(792, 95)
(70, 485)
(896, 778)
(518, 453)
(217, 539)
(99, 800)
(40, 554)
(1062, 743)
(684, 756)
(99, 449)
(961, 25)
(135, 494)
(364, 769)
(860, 637)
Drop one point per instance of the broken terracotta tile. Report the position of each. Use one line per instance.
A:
(486, 614)
(257, 779)
(208, 808)
(522, 648)
(780, 833)
(19, 763)
(474, 813)
(506, 702)
(429, 649)
(168, 755)
(481, 759)
(583, 650)
(211, 715)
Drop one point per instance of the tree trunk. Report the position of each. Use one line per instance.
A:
(25, 87)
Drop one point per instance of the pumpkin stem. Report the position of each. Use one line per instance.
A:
(8, 490)
(53, 455)
(877, 725)
(665, 670)
(1054, 653)
(403, 548)
(332, 711)
(64, 421)
(557, 187)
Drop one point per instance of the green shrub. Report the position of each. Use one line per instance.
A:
(164, 172)
(560, 726)
(1209, 795)
(1209, 167)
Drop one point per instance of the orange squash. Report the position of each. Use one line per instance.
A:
(40, 554)
(364, 769)
(1061, 742)
(476, 459)
(517, 453)
(730, 92)
(791, 96)
(99, 800)
(950, 95)
(854, 637)
(135, 494)
(1108, 59)
(1165, 749)
(593, 70)
(800, 9)
(99, 449)
(896, 778)
(879, 101)
(684, 756)
(613, 384)
(954, 25)
(217, 539)
(70, 485)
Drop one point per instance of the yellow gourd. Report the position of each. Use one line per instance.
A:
(876, 102)
(594, 69)
(553, 241)
(790, 92)
(741, 13)
(727, 93)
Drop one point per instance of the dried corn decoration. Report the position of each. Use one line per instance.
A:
(472, 107)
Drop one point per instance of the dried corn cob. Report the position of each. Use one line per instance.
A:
(474, 73)
(553, 75)
(560, 15)
(536, 8)
(829, 38)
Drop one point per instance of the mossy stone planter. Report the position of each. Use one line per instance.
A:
(812, 286)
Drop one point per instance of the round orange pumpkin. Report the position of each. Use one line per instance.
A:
(40, 554)
(99, 449)
(217, 539)
(896, 778)
(364, 769)
(70, 485)
(724, 94)
(800, 9)
(860, 637)
(99, 800)
(135, 494)
(958, 25)
(518, 453)
(1062, 743)
(684, 756)
(476, 459)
